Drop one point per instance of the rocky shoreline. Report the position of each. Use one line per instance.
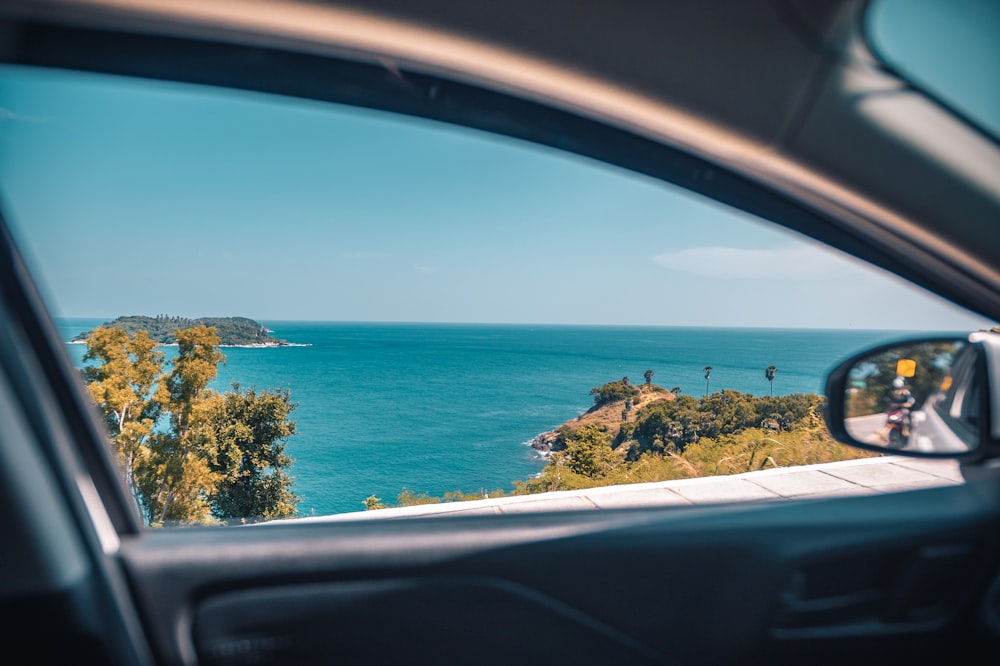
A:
(547, 443)
(610, 415)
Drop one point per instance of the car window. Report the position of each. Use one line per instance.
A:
(946, 47)
(961, 399)
(287, 308)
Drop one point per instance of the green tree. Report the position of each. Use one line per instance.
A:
(672, 425)
(588, 452)
(648, 376)
(250, 432)
(769, 373)
(613, 392)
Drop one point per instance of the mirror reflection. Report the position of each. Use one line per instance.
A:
(912, 397)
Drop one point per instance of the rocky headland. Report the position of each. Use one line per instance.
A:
(612, 414)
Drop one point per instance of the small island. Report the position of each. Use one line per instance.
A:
(232, 331)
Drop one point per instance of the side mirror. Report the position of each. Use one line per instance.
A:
(926, 398)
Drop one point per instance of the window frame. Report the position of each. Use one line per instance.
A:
(352, 81)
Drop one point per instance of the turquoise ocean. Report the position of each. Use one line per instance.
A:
(441, 407)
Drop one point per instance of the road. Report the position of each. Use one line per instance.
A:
(928, 432)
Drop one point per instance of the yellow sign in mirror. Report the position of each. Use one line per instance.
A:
(906, 367)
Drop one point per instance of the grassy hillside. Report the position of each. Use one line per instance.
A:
(642, 433)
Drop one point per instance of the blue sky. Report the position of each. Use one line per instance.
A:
(147, 198)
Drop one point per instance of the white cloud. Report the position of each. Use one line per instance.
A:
(424, 269)
(736, 263)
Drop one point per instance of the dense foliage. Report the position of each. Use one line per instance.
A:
(722, 433)
(250, 430)
(671, 425)
(189, 454)
(613, 392)
(163, 329)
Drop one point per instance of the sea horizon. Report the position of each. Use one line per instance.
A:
(435, 407)
(376, 322)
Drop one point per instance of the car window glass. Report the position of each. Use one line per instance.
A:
(961, 402)
(947, 47)
(404, 312)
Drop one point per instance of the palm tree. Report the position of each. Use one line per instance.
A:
(708, 374)
(769, 372)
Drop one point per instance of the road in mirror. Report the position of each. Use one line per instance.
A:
(897, 397)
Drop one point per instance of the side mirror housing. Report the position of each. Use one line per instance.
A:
(930, 397)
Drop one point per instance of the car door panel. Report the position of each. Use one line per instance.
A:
(405, 620)
(704, 585)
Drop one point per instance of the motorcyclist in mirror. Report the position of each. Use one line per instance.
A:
(898, 413)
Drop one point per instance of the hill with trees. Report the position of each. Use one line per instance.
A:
(162, 329)
(642, 433)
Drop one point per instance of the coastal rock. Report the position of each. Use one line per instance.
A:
(548, 442)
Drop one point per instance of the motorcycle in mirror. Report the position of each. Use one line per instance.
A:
(914, 397)
(897, 420)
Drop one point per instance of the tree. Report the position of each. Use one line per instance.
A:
(613, 392)
(649, 377)
(769, 373)
(189, 454)
(123, 386)
(588, 451)
(179, 480)
(669, 425)
(708, 375)
(672, 425)
(250, 431)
